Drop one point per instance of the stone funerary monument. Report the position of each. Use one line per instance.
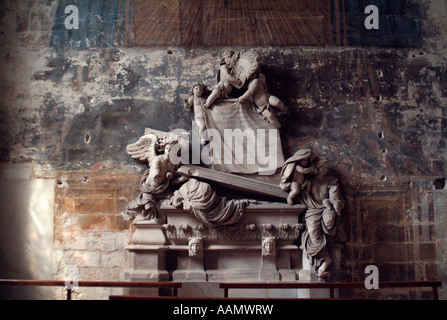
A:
(222, 202)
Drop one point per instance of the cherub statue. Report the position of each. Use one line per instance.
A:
(263, 100)
(225, 77)
(293, 173)
(155, 151)
(197, 101)
(236, 70)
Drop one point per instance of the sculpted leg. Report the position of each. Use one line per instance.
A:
(322, 273)
(275, 102)
(213, 96)
(294, 190)
(271, 117)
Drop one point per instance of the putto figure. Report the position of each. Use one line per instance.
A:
(293, 173)
(197, 101)
(263, 100)
(237, 70)
(226, 80)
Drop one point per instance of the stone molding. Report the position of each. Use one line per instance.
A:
(241, 232)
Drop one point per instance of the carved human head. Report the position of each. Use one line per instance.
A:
(160, 145)
(322, 165)
(268, 246)
(197, 89)
(229, 58)
(195, 247)
(169, 144)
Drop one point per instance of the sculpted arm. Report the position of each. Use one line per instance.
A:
(189, 102)
(302, 170)
(179, 177)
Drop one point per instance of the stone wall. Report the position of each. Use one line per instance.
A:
(68, 110)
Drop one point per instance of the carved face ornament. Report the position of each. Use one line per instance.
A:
(268, 246)
(195, 247)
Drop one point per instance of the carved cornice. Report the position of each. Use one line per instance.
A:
(241, 232)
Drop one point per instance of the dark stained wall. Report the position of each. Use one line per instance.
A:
(215, 23)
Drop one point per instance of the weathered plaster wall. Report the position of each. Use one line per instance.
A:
(67, 114)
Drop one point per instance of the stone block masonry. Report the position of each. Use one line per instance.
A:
(90, 232)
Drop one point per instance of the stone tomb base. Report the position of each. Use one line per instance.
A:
(261, 247)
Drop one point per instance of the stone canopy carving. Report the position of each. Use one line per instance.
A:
(215, 193)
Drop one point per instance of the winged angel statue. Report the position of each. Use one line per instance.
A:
(153, 148)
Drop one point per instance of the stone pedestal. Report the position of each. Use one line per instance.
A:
(147, 256)
(227, 253)
(307, 274)
(261, 247)
(190, 264)
(147, 263)
(269, 271)
(147, 233)
(235, 252)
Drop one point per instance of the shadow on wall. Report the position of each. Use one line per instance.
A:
(26, 231)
